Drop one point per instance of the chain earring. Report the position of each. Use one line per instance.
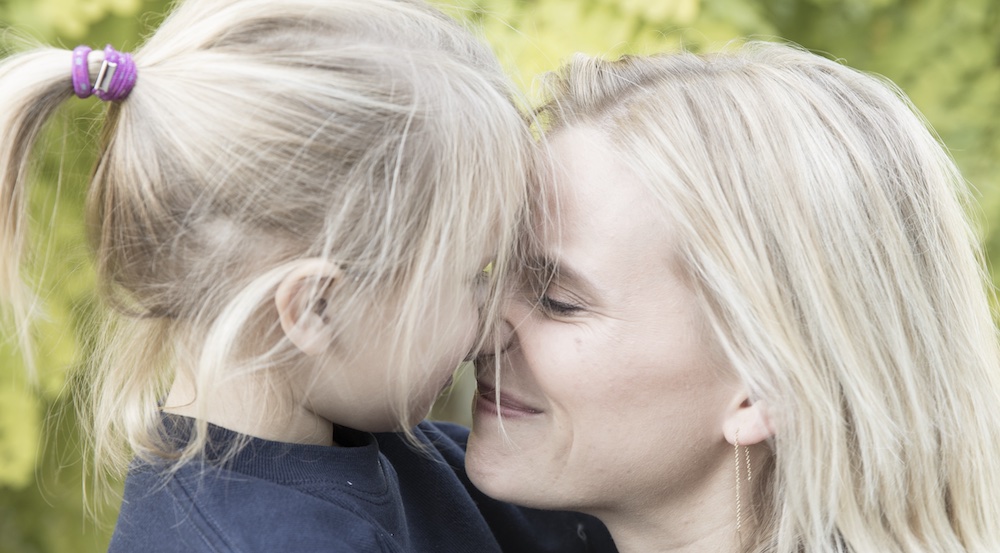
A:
(736, 465)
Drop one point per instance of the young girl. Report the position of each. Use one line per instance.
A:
(291, 215)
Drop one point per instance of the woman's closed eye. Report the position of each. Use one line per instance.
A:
(543, 286)
(558, 307)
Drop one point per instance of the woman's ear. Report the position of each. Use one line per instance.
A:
(749, 419)
(302, 299)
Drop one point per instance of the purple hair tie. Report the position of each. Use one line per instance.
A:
(115, 79)
(81, 72)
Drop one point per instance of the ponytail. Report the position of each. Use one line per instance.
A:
(32, 86)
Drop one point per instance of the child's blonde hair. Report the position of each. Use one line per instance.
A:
(822, 227)
(376, 134)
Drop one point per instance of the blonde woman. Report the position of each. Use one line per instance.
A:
(292, 209)
(757, 320)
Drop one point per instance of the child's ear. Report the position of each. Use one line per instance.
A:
(749, 419)
(302, 298)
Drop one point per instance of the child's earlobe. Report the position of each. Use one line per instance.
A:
(302, 307)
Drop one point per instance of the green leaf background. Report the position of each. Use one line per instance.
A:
(944, 53)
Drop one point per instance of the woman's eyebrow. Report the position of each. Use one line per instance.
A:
(559, 270)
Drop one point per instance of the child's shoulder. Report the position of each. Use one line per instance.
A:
(447, 438)
(269, 496)
(442, 443)
(212, 509)
(451, 432)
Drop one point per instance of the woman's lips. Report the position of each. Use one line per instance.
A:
(486, 402)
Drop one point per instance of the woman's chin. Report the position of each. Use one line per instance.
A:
(499, 465)
(488, 460)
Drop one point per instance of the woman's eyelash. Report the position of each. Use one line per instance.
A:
(557, 307)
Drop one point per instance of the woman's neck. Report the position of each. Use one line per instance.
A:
(699, 521)
(242, 408)
(648, 537)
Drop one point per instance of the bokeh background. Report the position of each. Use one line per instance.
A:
(944, 53)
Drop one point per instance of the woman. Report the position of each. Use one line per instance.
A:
(758, 323)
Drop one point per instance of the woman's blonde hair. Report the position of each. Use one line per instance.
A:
(822, 226)
(377, 134)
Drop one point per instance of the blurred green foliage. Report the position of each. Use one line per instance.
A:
(42, 502)
(944, 53)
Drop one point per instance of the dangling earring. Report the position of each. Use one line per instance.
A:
(736, 464)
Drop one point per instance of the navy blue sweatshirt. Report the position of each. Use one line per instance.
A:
(375, 493)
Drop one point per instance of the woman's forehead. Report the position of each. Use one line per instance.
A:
(601, 218)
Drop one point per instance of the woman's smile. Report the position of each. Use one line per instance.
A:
(488, 402)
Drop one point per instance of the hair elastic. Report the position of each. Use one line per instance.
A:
(114, 81)
(81, 72)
